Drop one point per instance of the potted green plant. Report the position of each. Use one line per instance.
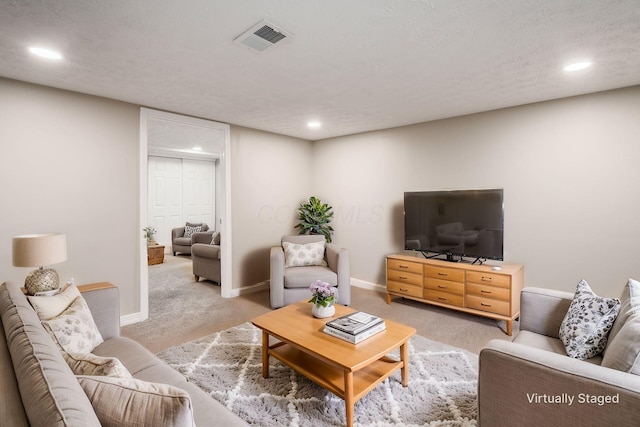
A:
(149, 234)
(314, 218)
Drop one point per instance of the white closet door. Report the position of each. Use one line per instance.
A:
(165, 197)
(198, 189)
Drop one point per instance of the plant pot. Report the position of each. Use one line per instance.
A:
(323, 312)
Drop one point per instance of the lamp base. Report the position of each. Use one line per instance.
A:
(41, 280)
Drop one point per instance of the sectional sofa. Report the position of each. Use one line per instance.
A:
(38, 388)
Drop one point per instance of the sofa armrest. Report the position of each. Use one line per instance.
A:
(103, 300)
(276, 276)
(205, 251)
(542, 310)
(338, 261)
(516, 383)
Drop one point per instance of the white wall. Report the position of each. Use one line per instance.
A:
(270, 177)
(68, 163)
(569, 169)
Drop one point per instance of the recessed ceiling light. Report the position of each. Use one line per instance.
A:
(197, 148)
(314, 124)
(45, 53)
(577, 66)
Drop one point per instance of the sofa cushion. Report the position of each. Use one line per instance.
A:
(586, 325)
(128, 401)
(74, 329)
(91, 364)
(300, 255)
(623, 353)
(50, 307)
(303, 277)
(182, 241)
(547, 343)
(50, 392)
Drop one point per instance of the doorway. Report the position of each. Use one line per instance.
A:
(169, 135)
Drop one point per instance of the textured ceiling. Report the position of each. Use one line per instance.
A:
(356, 65)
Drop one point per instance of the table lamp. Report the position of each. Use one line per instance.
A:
(38, 250)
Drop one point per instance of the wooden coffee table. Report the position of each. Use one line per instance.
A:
(347, 370)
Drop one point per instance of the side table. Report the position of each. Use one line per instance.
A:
(155, 254)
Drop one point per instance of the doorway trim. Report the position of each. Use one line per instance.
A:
(224, 207)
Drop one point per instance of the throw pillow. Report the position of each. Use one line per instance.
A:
(215, 238)
(623, 353)
(189, 230)
(629, 305)
(50, 307)
(132, 402)
(297, 255)
(91, 364)
(74, 329)
(586, 325)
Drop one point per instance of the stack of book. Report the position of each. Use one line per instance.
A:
(355, 327)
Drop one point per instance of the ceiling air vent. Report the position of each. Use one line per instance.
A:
(262, 36)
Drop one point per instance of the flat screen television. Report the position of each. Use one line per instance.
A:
(456, 224)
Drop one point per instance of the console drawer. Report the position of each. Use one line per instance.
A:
(444, 285)
(405, 277)
(485, 291)
(492, 279)
(487, 304)
(453, 274)
(443, 297)
(404, 288)
(401, 265)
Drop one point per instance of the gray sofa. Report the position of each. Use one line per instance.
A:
(37, 387)
(205, 257)
(532, 382)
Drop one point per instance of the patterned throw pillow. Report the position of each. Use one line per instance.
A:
(74, 330)
(189, 230)
(586, 325)
(296, 255)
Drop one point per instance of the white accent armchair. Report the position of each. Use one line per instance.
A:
(291, 284)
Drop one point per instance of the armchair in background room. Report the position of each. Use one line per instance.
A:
(301, 260)
(183, 237)
(205, 257)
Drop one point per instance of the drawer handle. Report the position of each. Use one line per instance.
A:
(442, 299)
(443, 274)
(442, 286)
(485, 305)
(486, 279)
(403, 266)
(485, 292)
(403, 277)
(404, 290)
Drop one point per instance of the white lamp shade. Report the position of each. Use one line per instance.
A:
(37, 250)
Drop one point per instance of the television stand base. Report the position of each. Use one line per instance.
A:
(470, 288)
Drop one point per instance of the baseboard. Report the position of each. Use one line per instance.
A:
(250, 289)
(129, 319)
(368, 285)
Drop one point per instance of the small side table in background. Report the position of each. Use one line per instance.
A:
(155, 254)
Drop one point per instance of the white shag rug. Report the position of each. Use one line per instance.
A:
(228, 366)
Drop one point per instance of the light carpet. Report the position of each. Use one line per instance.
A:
(228, 366)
